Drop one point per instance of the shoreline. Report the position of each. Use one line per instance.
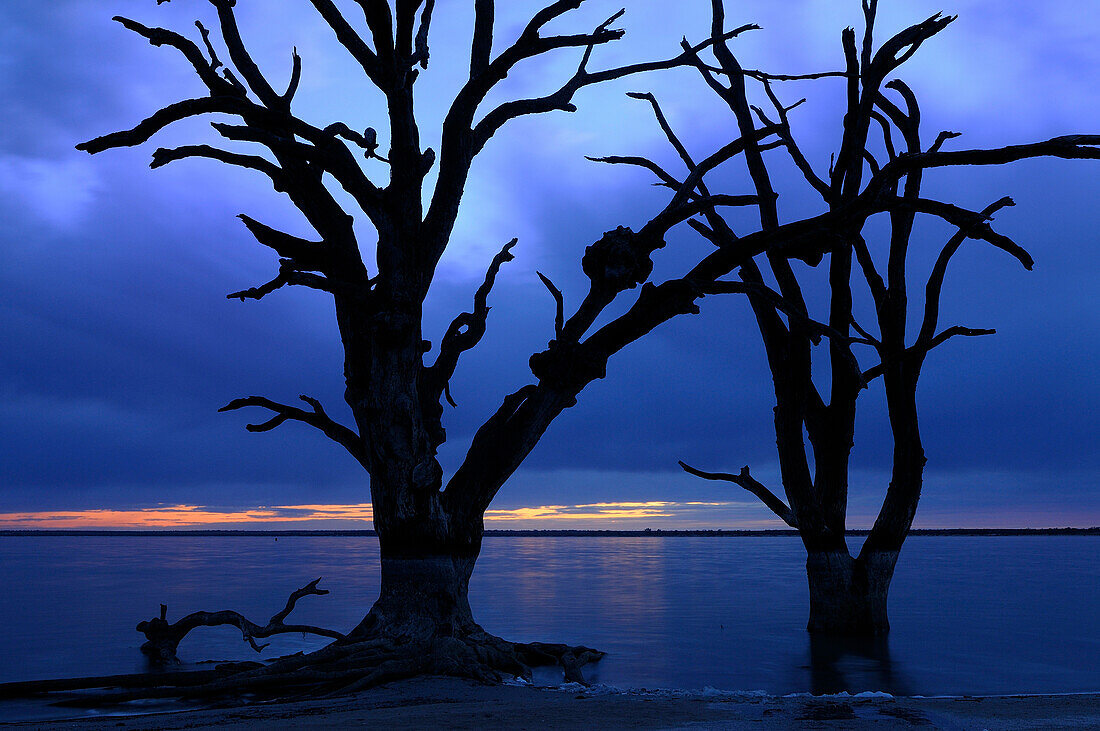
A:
(459, 704)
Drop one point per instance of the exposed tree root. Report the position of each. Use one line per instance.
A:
(341, 668)
(406, 634)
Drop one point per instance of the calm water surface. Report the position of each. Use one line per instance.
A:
(970, 615)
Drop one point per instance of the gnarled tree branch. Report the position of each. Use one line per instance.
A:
(307, 255)
(162, 639)
(464, 332)
(207, 70)
(289, 273)
(316, 418)
(934, 287)
(747, 481)
(163, 156)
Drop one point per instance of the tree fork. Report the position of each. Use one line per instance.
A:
(848, 595)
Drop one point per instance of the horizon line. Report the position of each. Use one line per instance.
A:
(581, 532)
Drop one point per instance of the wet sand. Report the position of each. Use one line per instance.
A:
(445, 703)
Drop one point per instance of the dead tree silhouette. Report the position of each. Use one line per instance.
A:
(848, 594)
(430, 529)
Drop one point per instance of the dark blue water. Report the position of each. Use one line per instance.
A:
(970, 615)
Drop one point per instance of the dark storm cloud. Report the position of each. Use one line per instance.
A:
(118, 343)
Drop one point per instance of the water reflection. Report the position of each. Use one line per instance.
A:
(680, 612)
(854, 664)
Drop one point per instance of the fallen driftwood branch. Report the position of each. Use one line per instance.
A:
(30, 688)
(162, 638)
(341, 668)
(352, 663)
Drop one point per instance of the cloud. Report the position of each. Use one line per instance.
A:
(964, 499)
(588, 515)
(119, 344)
(86, 414)
(184, 517)
(58, 192)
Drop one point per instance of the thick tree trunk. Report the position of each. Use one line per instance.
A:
(427, 557)
(427, 554)
(421, 623)
(422, 598)
(848, 595)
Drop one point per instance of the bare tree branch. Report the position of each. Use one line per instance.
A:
(163, 156)
(420, 43)
(1071, 147)
(666, 178)
(951, 332)
(901, 47)
(786, 134)
(308, 255)
(662, 121)
(316, 418)
(867, 337)
(815, 329)
(350, 40)
(162, 638)
(242, 59)
(561, 100)
(887, 135)
(765, 76)
(627, 253)
(726, 152)
(867, 266)
(289, 273)
(274, 129)
(462, 139)
(922, 347)
(972, 222)
(278, 143)
(481, 48)
(464, 332)
(158, 121)
(262, 291)
(215, 62)
(205, 69)
(748, 482)
(380, 22)
(941, 138)
(559, 301)
(934, 287)
(295, 78)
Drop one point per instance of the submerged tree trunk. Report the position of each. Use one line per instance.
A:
(848, 595)
(422, 596)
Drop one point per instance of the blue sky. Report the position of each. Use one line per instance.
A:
(118, 344)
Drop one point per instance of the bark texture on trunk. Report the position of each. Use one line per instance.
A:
(848, 595)
(422, 598)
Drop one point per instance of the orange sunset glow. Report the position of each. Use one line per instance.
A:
(594, 515)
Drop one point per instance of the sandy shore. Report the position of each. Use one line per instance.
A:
(443, 703)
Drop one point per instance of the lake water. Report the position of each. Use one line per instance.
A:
(970, 615)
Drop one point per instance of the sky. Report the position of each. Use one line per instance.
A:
(117, 344)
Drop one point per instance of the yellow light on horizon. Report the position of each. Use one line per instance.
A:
(202, 516)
